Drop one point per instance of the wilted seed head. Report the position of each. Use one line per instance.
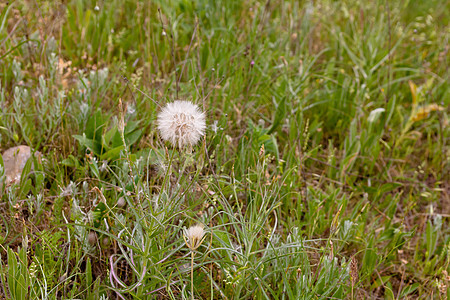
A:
(121, 124)
(194, 236)
(181, 123)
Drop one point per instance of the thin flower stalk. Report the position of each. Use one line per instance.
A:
(193, 237)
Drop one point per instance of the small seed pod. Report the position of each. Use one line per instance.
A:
(62, 278)
(92, 238)
(121, 202)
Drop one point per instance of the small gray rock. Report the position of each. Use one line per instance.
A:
(14, 160)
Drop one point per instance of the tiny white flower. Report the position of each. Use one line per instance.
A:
(131, 109)
(104, 165)
(68, 190)
(194, 236)
(182, 123)
(214, 126)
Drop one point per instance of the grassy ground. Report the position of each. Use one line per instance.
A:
(324, 171)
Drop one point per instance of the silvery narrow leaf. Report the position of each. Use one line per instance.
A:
(375, 114)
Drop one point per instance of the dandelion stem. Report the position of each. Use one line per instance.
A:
(192, 275)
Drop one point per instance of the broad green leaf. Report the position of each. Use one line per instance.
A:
(112, 154)
(280, 114)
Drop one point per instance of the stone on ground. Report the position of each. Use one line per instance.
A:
(14, 160)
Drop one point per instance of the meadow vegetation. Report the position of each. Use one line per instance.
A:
(323, 171)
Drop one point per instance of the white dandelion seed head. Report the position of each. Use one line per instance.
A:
(181, 123)
(194, 236)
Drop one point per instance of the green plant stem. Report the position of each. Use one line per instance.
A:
(192, 275)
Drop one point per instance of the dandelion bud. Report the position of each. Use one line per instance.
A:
(194, 236)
